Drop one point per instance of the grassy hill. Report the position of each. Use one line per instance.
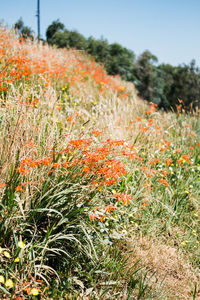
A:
(99, 191)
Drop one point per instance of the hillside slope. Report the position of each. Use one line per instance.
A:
(99, 191)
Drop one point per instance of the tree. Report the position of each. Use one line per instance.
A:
(77, 40)
(55, 27)
(120, 61)
(182, 82)
(57, 35)
(60, 39)
(161, 84)
(99, 49)
(19, 24)
(144, 73)
(23, 31)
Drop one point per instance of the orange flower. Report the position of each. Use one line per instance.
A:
(22, 170)
(192, 133)
(56, 165)
(145, 203)
(96, 132)
(144, 129)
(18, 188)
(186, 157)
(164, 172)
(168, 144)
(46, 161)
(27, 183)
(180, 162)
(163, 181)
(177, 151)
(155, 171)
(28, 290)
(169, 161)
(86, 169)
(138, 119)
(109, 208)
(125, 198)
(154, 161)
(70, 118)
(163, 149)
(101, 218)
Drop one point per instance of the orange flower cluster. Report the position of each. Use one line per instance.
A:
(96, 132)
(94, 163)
(154, 161)
(153, 108)
(100, 214)
(31, 164)
(168, 161)
(163, 181)
(21, 63)
(125, 198)
(32, 288)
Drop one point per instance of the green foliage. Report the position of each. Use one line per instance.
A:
(120, 61)
(76, 40)
(145, 74)
(57, 35)
(182, 82)
(56, 26)
(71, 39)
(60, 39)
(61, 236)
(116, 58)
(161, 84)
(23, 31)
(99, 49)
(165, 84)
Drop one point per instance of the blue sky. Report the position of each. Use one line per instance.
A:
(170, 29)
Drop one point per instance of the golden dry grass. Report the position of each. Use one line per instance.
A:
(170, 268)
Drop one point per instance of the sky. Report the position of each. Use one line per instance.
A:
(170, 29)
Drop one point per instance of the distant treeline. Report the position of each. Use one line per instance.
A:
(166, 85)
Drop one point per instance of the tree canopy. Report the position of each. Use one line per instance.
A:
(162, 84)
(23, 31)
